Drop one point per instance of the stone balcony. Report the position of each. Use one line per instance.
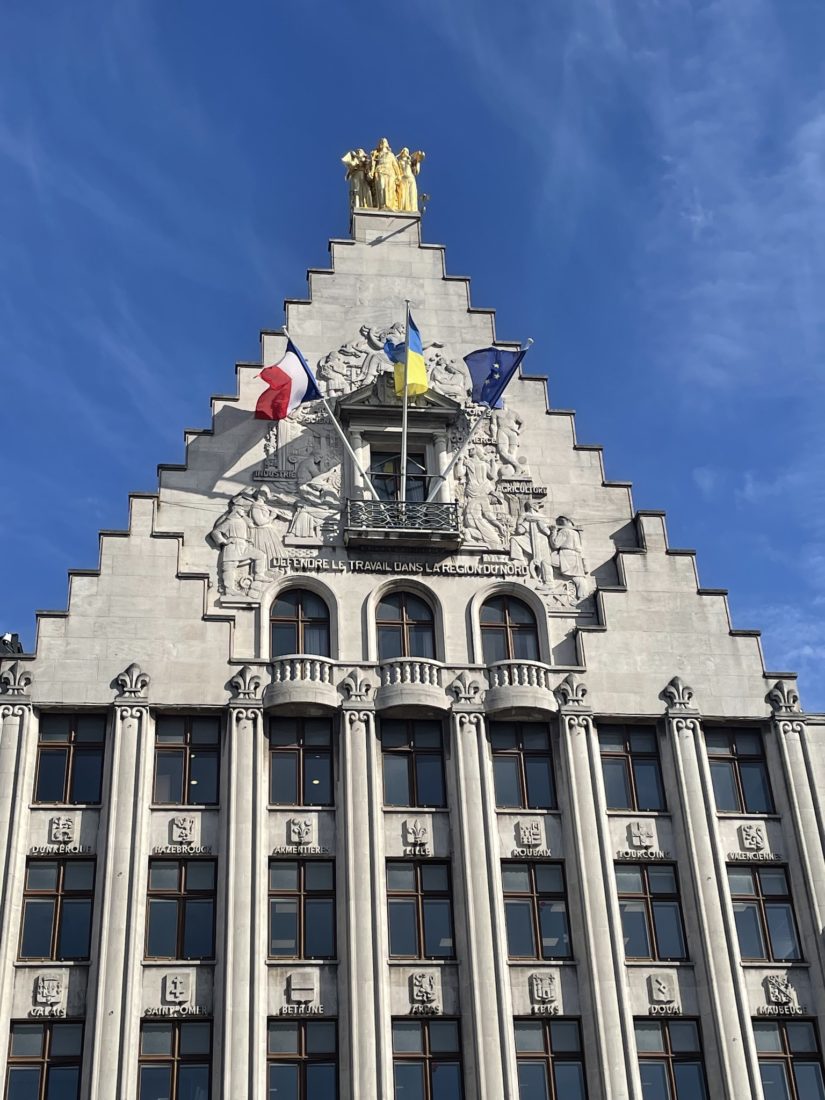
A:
(520, 685)
(411, 682)
(402, 523)
(304, 684)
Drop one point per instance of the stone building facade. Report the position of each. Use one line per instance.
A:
(478, 797)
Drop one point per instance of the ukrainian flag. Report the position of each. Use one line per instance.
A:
(411, 353)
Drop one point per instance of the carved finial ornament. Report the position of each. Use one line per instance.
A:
(677, 695)
(356, 687)
(383, 180)
(571, 692)
(466, 688)
(15, 679)
(245, 684)
(132, 683)
(783, 698)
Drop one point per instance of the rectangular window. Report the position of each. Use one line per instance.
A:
(302, 909)
(522, 765)
(175, 1060)
(790, 1060)
(550, 1060)
(180, 922)
(535, 910)
(413, 755)
(302, 1060)
(300, 761)
(631, 769)
(57, 909)
(44, 1061)
(651, 911)
(763, 910)
(187, 752)
(69, 758)
(426, 1059)
(739, 771)
(670, 1060)
(420, 910)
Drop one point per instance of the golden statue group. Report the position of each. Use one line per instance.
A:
(380, 180)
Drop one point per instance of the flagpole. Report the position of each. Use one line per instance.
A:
(343, 438)
(404, 413)
(440, 479)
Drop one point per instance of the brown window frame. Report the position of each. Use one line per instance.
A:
(299, 620)
(45, 1061)
(413, 754)
(630, 757)
(509, 628)
(405, 623)
(522, 755)
(175, 1059)
(59, 894)
(73, 746)
(304, 1057)
(649, 899)
(549, 1057)
(302, 895)
(427, 1056)
(536, 897)
(736, 758)
(762, 900)
(300, 750)
(181, 894)
(668, 1055)
(787, 1057)
(185, 749)
(420, 896)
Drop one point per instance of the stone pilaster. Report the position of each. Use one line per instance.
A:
(606, 1022)
(241, 973)
(719, 956)
(362, 1001)
(485, 980)
(115, 974)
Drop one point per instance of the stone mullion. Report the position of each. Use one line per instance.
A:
(599, 958)
(362, 1002)
(719, 953)
(241, 977)
(115, 970)
(17, 762)
(486, 1012)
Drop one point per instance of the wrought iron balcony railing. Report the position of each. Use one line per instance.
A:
(405, 521)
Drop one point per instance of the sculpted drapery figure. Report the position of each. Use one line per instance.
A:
(386, 176)
(379, 180)
(358, 168)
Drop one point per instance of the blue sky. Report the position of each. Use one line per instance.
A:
(637, 184)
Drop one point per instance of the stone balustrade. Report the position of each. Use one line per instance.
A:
(304, 682)
(520, 685)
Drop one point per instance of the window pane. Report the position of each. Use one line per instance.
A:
(284, 639)
(642, 741)
(422, 640)
(400, 876)
(194, 1038)
(316, 639)
(555, 941)
(87, 775)
(648, 1036)
(724, 786)
(318, 875)
(493, 611)
(749, 930)
(438, 928)
(403, 929)
(283, 928)
(24, 1083)
(634, 930)
(782, 931)
(690, 1081)
(809, 1082)
(506, 778)
(801, 1037)
(525, 645)
(684, 1036)
(748, 744)
(37, 929)
(564, 1035)
(54, 727)
(529, 1036)
(193, 1083)
(320, 1037)
(317, 778)
(321, 1078)
(319, 929)
(409, 1081)
(51, 775)
(775, 1084)
(168, 776)
(443, 1036)
(390, 607)
(756, 788)
(155, 1082)
(446, 1079)
(283, 787)
(205, 731)
(667, 921)
(650, 794)
(164, 874)
(170, 729)
(200, 874)
(389, 642)
(283, 1038)
(198, 928)
(532, 1081)
(156, 1038)
(78, 875)
(163, 929)
(569, 1080)
(767, 1037)
(654, 1081)
(396, 779)
(407, 1037)
(434, 877)
(540, 792)
(521, 941)
(26, 1040)
(63, 1083)
(629, 879)
(67, 1040)
(662, 880)
(740, 881)
(283, 1082)
(616, 784)
(494, 645)
(430, 781)
(773, 880)
(41, 874)
(203, 777)
(515, 878)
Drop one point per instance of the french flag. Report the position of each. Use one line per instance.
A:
(289, 384)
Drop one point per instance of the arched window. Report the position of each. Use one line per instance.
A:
(405, 627)
(300, 624)
(508, 631)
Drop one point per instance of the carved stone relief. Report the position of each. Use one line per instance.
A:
(301, 830)
(416, 837)
(554, 556)
(425, 993)
(177, 989)
(61, 830)
(663, 995)
(302, 994)
(182, 830)
(752, 837)
(48, 989)
(544, 994)
(641, 834)
(529, 833)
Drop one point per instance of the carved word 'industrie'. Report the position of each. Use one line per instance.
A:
(424, 994)
(529, 835)
(781, 998)
(663, 995)
(416, 837)
(544, 995)
(48, 996)
(302, 995)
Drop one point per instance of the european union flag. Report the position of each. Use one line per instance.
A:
(491, 370)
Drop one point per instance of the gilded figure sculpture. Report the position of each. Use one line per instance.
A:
(358, 167)
(381, 181)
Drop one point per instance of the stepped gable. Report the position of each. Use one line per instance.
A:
(165, 595)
